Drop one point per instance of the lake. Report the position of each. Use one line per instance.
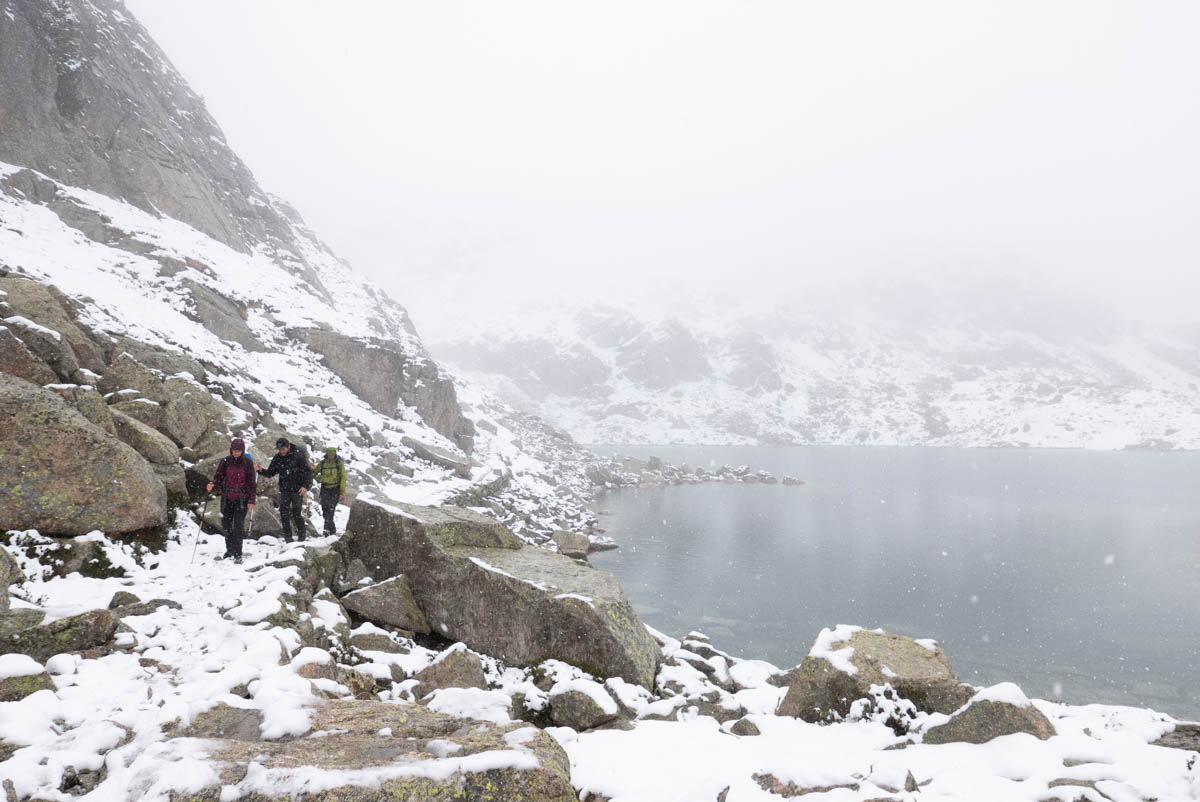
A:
(1075, 574)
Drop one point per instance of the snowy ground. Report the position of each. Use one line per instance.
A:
(112, 711)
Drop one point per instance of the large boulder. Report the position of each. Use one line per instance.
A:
(61, 474)
(174, 480)
(154, 446)
(143, 410)
(361, 751)
(74, 634)
(127, 373)
(190, 411)
(992, 712)
(477, 583)
(845, 662)
(390, 603)
(88, 402)
(17, 360)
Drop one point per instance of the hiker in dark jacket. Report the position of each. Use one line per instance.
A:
(238, 486)
(295, 477)
(331, 473)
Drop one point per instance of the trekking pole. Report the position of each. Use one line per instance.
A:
(200, 526)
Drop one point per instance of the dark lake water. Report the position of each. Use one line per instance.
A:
(1075, 574)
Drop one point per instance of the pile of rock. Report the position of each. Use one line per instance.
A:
(621, 471)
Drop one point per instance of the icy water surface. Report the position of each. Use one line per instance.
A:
(1075, 574)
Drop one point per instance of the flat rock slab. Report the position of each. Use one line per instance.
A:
(822, 689)
(476, 582)
(375, 750)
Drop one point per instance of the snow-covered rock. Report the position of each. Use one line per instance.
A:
(991, 713)
(846, 662)
(478, 583)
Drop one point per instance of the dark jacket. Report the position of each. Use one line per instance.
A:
(235, 478)
(293, 471)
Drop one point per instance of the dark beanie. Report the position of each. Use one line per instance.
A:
(238, 444)
(281, 442)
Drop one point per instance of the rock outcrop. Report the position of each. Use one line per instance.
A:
(844, 663)
(383, 375)
(476, 583)
(62, 474)
(154, 446)
(90, 99)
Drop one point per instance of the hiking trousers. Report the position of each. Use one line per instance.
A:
(233, 518)
(291, 509)
(329, 501)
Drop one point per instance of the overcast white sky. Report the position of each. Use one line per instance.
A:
(455, 149)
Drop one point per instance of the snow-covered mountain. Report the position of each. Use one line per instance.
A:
(134, 242)
(961, 363)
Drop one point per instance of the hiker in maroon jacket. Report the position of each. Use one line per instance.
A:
(236, 481)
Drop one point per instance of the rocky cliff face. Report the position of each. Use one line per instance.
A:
(149, 283)
(89, 99)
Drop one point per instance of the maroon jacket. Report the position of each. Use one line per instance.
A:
(236, 478)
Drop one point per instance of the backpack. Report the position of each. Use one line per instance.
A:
(340, 476)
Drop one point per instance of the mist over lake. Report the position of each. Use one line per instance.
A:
(1072, 573)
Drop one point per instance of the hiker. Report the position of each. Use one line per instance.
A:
(331, 473)
(295, 477)
(238, 486)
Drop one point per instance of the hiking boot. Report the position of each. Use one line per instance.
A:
(224, 556)
(238, 559)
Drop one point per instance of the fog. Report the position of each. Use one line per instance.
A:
(482, 156)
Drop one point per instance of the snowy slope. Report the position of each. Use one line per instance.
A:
(886, 371)
(135, 285)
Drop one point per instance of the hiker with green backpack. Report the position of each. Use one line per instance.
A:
(331, 473)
